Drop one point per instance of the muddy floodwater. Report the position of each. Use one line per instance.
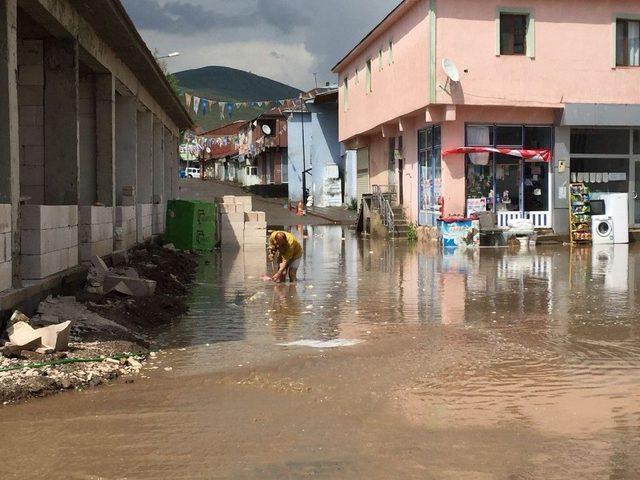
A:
(384, 361)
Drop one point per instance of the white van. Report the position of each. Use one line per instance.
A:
(192, 172)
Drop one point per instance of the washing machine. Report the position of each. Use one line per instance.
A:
(602, 230)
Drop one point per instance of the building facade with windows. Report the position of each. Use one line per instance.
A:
(530, 110)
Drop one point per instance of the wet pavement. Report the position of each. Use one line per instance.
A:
(385, 361)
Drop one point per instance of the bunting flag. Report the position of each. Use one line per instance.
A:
(204, 106)
(528, 155)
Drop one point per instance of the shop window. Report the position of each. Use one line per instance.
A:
(509, 135)
(480, 182)
(429, 160)
(627, 43)
(603, 175)
(507, 183)
(536, 184)
(600, 141)
(513, 33)
(636, 142)
(538, 138)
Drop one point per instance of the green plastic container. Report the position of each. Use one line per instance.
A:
(191, 225)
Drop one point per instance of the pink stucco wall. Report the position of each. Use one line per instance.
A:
(573, 54)
(398, 89)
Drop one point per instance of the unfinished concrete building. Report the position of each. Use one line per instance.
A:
(89, 132)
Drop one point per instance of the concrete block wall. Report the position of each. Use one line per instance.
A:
(87, 140)
(95, 229)
(31, 119)
(145, 222)
(125, 230)
(48, 240)
(6, 238)
(239, 224)
(159, 218)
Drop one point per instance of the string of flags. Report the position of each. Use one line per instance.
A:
(226, 110)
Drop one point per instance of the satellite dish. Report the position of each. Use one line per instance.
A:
(266, 129)
(451, 70)
(208, 150)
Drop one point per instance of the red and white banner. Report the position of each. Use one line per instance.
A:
(528, 155)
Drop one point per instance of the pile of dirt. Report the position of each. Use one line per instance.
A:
(172, 271)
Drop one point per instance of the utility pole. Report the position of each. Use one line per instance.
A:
(315, 77)
(304, 158)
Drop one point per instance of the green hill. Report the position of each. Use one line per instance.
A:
(226, 84)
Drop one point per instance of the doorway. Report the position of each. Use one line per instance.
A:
(362, 167)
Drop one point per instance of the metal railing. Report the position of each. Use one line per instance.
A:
(380, 202)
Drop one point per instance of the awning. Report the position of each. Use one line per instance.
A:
(528, 155)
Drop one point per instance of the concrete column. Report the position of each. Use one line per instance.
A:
(173, 151)
(87, 138)
(158, 162)
(9, 122)
(144, 187)
(61, 136)
(560, 181)
(168, 164)
(106, 139)
(126, 144)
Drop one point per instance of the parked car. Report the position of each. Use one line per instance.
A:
(193, 172)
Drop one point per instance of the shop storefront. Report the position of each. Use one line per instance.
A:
(430, 175)
(511, 177)
(607, 160)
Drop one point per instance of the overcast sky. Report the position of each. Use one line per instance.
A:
(287, 40)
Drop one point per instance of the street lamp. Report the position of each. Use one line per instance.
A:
(171, 55)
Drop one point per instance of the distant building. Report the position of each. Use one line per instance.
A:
(315, 125)
(220, 155)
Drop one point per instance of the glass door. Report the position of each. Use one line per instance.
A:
(635, 196)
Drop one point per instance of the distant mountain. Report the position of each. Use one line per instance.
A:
(226, 84)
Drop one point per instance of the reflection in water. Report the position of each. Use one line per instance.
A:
(546, 337)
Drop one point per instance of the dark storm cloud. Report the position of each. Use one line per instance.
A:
(190, 18)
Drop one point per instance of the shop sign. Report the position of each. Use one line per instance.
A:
(475, 205)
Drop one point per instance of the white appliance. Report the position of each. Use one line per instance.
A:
(617, 207)
(617, 211)
(602, 230)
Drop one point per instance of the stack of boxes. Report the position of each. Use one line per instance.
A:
(96, 232)
(125, 231)
(48, 240)
(5, 247)
(239, 224)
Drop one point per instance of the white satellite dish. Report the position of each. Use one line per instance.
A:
(266, 129)
(451, 70)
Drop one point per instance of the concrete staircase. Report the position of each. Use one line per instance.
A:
(401, 224)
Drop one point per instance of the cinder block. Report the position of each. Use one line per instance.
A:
(129, 190)
(31, 74)
(6, 272)
(35, 177)
(73, 257)
(33, 155)
(255, 225)
(36, 267)
(30, 95)
(3, 250)
(246, 203)
(125, 213)
(35, 193)
(44, 217)
(88, 215)
(101, 248)
(262, 217)
(5, 218)
(250, 217)
(232, 217)
(32, 136)
(38, 242)
(128, 201)
(227, 208)
(8, 246)
(229, 199)
(30, 52)
(95, 233)
(31, 116)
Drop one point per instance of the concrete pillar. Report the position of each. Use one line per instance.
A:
(61, 138)
(560, 181)
(126, 142)
(158, 162)
(173, 151)
(168, 164)
(106, 139)
(87, 138)
(9, 124)
(144, 187)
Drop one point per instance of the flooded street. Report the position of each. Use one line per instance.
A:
(383, 362)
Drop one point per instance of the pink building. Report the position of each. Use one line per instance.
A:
(555, 76)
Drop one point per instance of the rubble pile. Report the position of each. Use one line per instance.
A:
(101, 333)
